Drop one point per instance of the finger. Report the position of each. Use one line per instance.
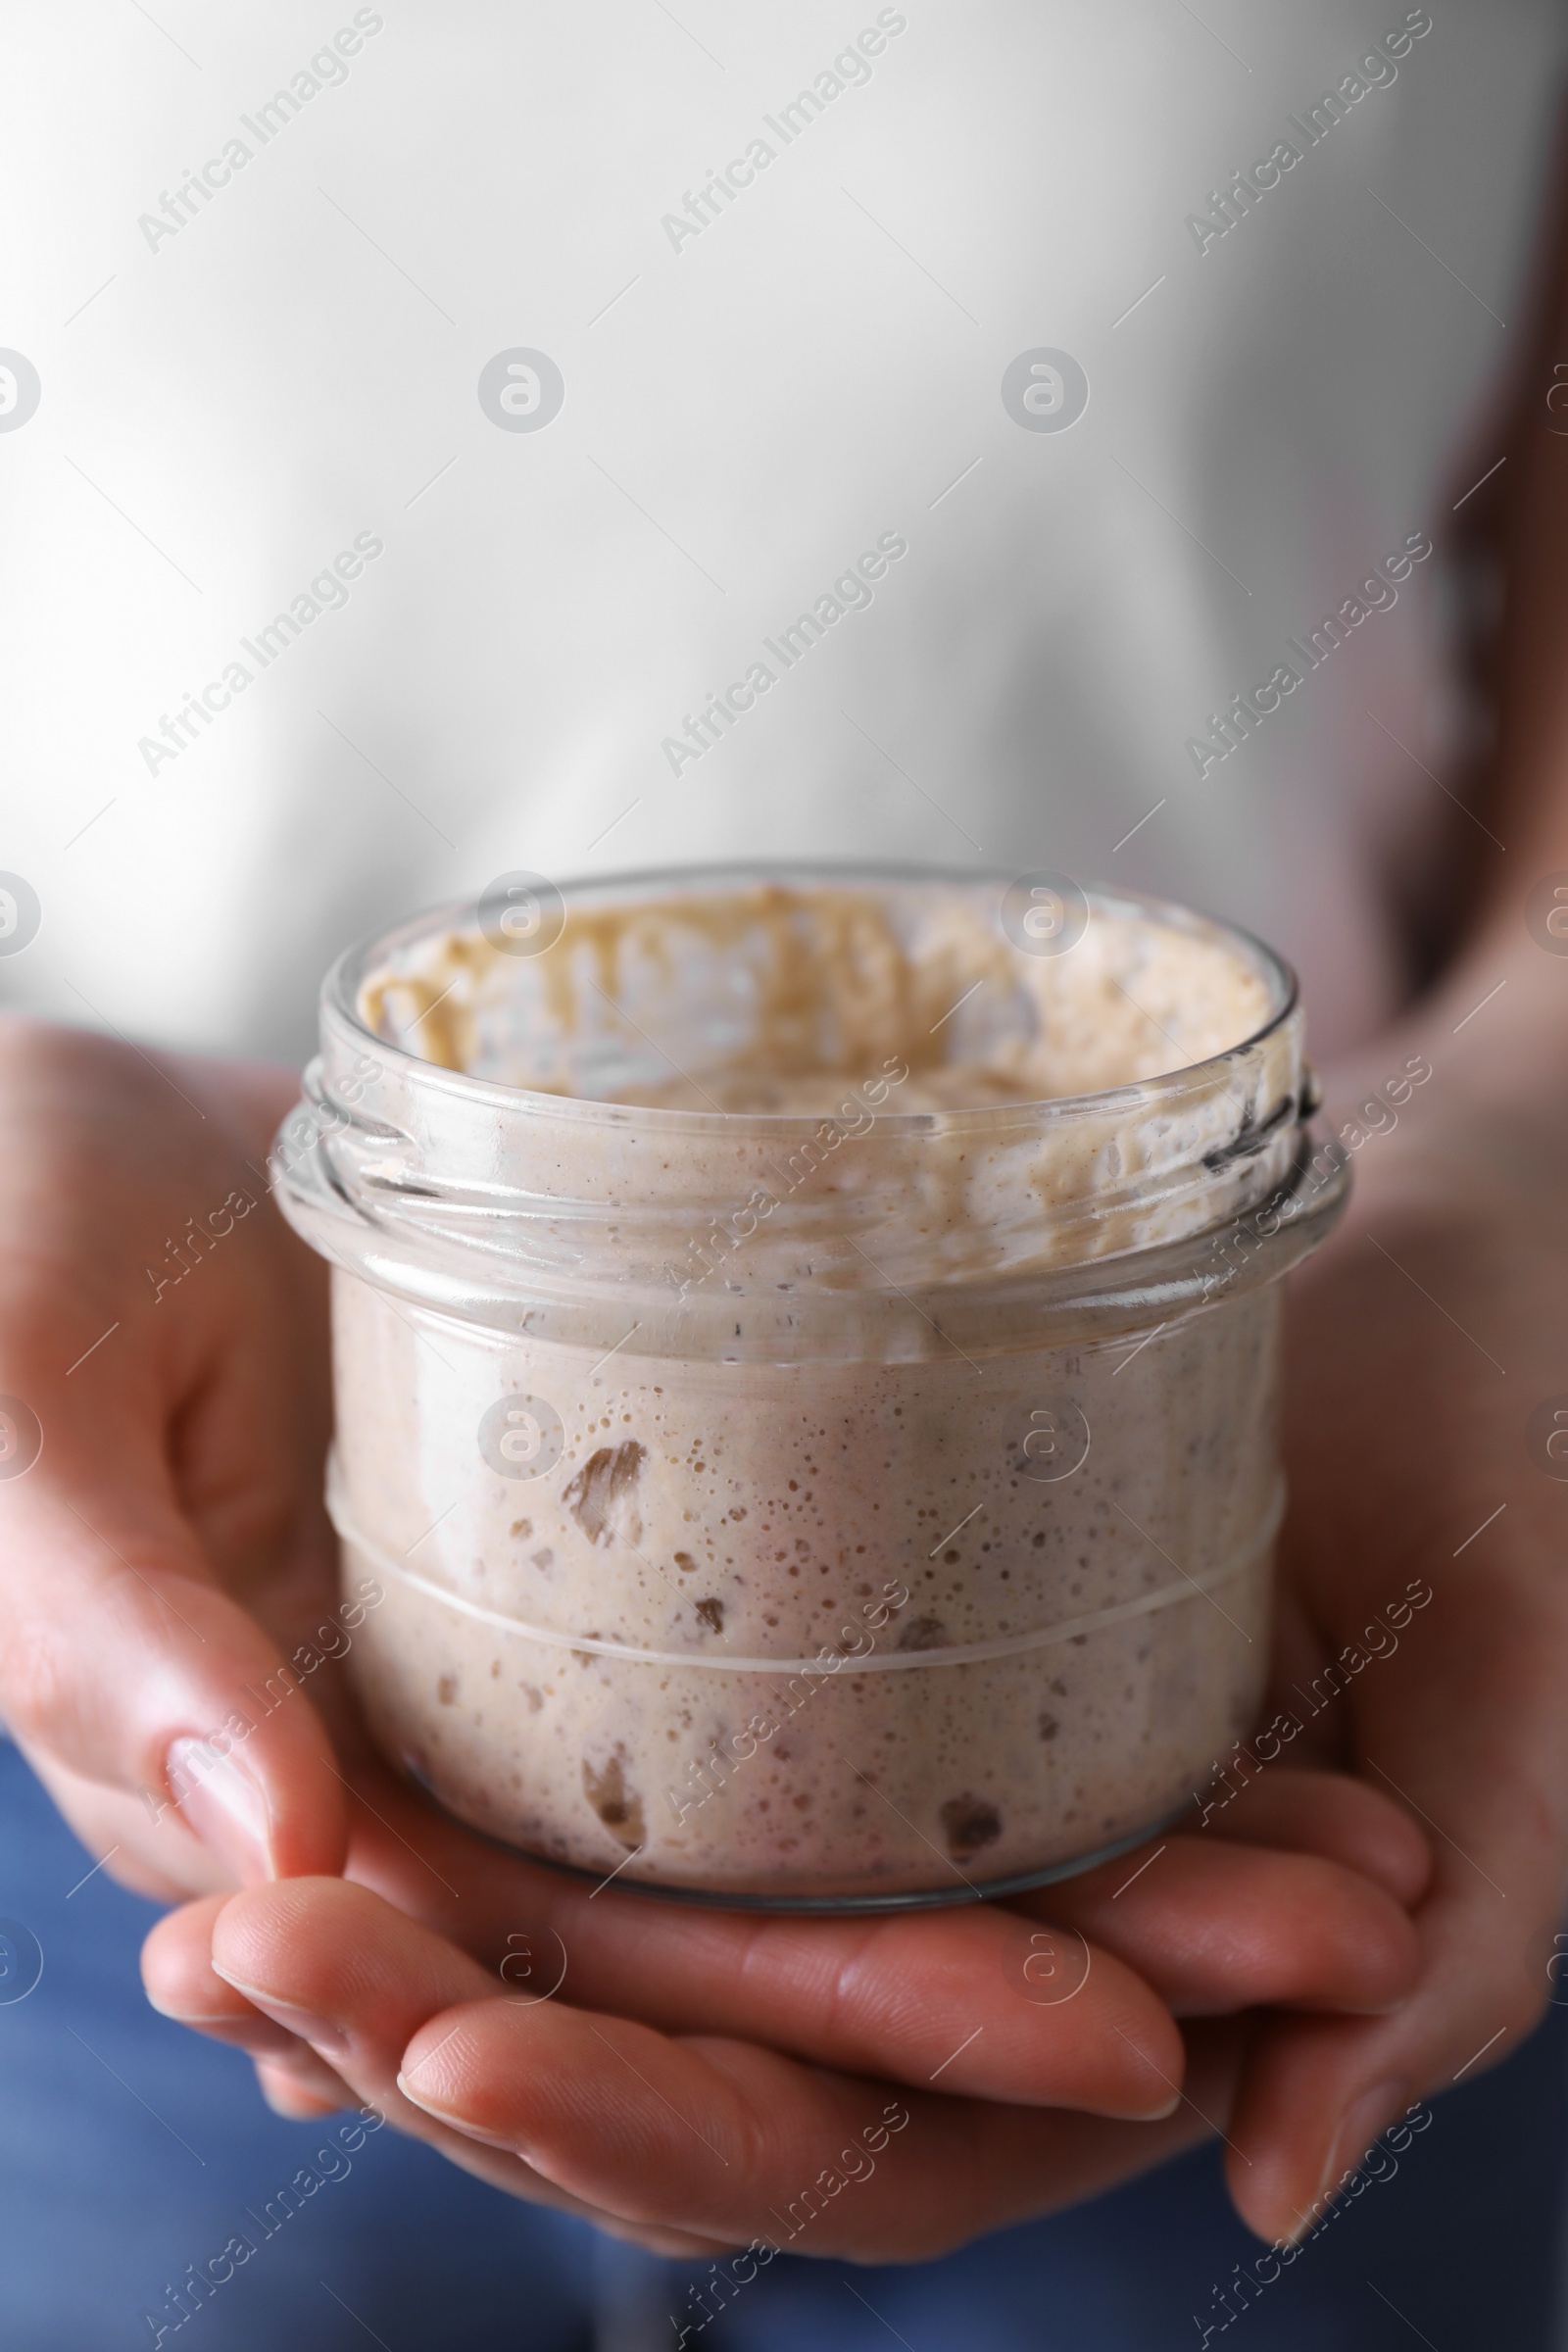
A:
(1332, 1815)
(977, 2001)
(1219, 1925)
(924, 2002)
(1232, 1926)
(744, 2145)
(296, 2082)
(128, 1667)
(180, 1982)
(969, 1999)
(300, 1945)
(1318, 2092)
(1225, 1926)
(896, 1997)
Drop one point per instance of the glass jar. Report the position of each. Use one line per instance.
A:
(805, 1354)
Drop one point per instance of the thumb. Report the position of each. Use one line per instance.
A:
(124, 1663)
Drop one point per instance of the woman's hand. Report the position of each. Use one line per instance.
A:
(687, 2076)
(1423, 1339)
(163, 1354)
(675, 2031)
(166, 1553)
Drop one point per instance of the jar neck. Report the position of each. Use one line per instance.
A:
(835, 1268)
(867, 1228)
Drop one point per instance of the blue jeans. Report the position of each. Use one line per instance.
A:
(131, 2152)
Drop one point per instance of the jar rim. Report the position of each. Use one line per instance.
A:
(341, 987)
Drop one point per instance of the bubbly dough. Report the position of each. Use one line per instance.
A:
(1097, 1520)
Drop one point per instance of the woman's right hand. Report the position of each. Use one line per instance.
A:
(163, 1357)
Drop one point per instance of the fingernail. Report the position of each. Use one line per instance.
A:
(432, 2105)
(258, 2037)
(429, 2100)
(224, 1806)
(1144, 2115)
(1371, 2114)
(323, 2035)
(459, 2121)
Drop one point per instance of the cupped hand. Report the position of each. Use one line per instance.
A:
(677, 2035)
(695, 2078)
(166, 1556)
(693, 2137)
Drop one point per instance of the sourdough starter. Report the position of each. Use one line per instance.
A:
(916, 1614)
